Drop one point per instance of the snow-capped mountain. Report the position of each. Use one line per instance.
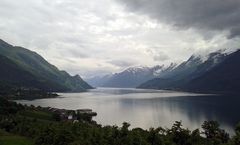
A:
(161, 76)
(131, 77)
(196, 63)
(195, 67)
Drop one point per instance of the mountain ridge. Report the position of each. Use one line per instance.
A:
(50, 78)
(193, 75)
(130, 77)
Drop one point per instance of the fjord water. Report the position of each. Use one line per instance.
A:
(150, 108)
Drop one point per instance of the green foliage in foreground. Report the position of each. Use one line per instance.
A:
(89, 133)
(10, 139)
(37, 114)
(15, 140)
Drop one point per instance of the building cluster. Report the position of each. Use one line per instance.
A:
(73, 115)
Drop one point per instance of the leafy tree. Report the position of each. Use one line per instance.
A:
(153, 137)
(179, 135)
(214, 133)
(236, 138)
(56, 117)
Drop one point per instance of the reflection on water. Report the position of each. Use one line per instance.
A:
(150, 108)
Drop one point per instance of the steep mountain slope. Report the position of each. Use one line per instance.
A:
(181, 76)
(225, 77)
(98, 81)
(31, 70)
(15, 75)
(131, 77)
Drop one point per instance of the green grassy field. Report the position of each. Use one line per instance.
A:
(37, 114)
(9, 139)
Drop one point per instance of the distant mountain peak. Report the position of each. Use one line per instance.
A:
(136, 68)
(131, 77)
(217, 72)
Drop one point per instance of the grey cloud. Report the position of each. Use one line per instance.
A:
(160, 57)
(203, 15)
(157, 54)
(99, 36)
(122, 63)
(78, 53)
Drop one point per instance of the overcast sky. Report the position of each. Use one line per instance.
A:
(95, 37)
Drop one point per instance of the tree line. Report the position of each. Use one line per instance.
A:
(53, 132)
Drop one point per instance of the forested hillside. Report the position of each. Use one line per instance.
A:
(23, 68)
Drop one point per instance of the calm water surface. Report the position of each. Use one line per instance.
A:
(150, 108)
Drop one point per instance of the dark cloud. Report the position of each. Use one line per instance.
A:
(99, 36)
(203, 15)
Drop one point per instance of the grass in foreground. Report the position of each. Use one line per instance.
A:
(37, 114)
(9, 139)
